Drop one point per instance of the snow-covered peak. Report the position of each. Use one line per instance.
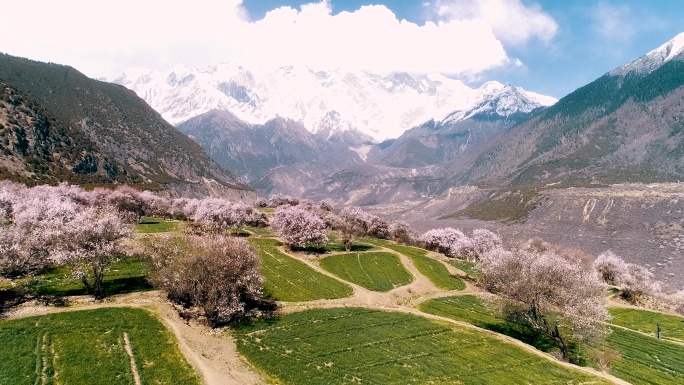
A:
(378, 105)
(672, 50)
(500, 100)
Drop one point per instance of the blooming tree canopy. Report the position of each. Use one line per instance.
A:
(217, 274)
(299, 226)
(634, 280)
(548, 292)
(449, 241)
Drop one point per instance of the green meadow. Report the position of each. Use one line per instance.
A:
(286, 279)
(364, 346)
(89, 347)
(375, 271)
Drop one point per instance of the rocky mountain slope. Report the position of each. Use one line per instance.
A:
(282, 156)
(122, 126)
(252, 151)
(626, 126)
(37, 148)
(348, 107)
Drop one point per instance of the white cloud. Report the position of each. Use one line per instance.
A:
(104, 37)
(613, 22)
(512, 21)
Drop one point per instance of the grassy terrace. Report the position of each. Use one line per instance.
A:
(124, 276)
(471, 309)
(643, 359)
(433, 269)
(286, 279)
(647, 321)
(156, 225)
(466, 267)
(374, 271)
(646, 360)
(88, 347)
(354, 345)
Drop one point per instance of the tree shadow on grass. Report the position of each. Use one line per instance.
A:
(523, 334)
(333, 248)
(111, 287)
(9, 298)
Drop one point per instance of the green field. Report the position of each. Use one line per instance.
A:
(473, 310)
(406, 250)
(646, 360)
(364, 346)
(286, 279)
(647, 321)
(260, 231)
(433, 269)
(156, 225)
(437, 273)
(88, 347)
(335, 244)
(466, 267)
(124, 276)
(374, 271)
(467, 308)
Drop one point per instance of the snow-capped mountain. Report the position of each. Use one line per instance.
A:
(379, 106)
(502, 101)
(672, 50)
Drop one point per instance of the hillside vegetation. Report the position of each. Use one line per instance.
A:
(119, 124)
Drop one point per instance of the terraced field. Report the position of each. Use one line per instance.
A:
(648, 321)
(375, 271)
(289, 280)
(433, 269)
(104, 346)
(646, 360)
(150, 225)
(365, 346)
(643, 359)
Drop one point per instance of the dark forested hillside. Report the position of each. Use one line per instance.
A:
(35, 147)
(118, 122)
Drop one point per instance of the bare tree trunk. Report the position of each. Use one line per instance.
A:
(98, 274)
(561, 343)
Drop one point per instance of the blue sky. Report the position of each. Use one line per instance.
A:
(547, 46)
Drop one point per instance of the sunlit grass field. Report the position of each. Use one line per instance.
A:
(88, 347)
(364, 346)
(375, 271)
(286, 279)
(643, 359)
(123, 276)
(646, 322)
(150, 225)
(433, 269)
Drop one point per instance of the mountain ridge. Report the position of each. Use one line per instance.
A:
(122, 125)
(379, 106)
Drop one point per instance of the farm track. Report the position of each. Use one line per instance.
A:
(214, 355)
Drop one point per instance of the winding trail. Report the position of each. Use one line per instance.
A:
(214, 356)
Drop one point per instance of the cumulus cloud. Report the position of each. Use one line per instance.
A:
(512, 21)
(613, 22)
(105, 37)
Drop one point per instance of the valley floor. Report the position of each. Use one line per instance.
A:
(214, 354)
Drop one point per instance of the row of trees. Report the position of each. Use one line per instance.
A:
(45, 226)
(306, 224)
(85, 231)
